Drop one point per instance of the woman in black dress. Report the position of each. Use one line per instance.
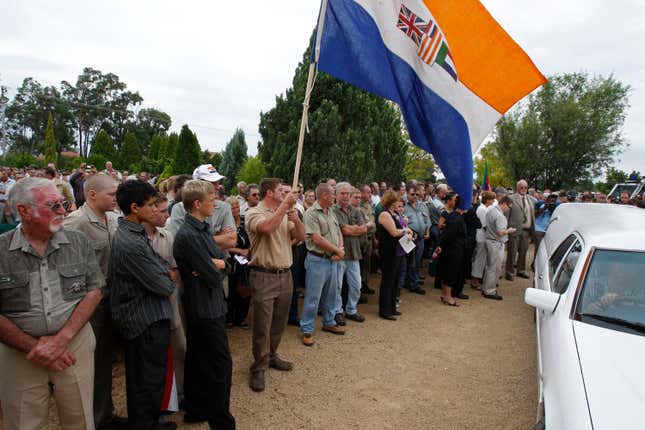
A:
(388, 233)
(239, 293)
(451, 250)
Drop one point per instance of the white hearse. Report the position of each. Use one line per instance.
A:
(589, 295)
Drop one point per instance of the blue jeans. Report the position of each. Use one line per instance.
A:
(409, 277)
(351, 270)
(322, 286)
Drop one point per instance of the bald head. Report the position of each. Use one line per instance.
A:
(98, 183)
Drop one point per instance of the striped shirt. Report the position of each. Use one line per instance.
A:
(194, 249)
(140, 284)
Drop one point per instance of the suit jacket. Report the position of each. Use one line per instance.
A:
(516, 214)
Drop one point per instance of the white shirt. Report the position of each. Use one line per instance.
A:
(480, 235)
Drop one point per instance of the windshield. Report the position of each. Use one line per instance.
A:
(630, 188)
(613, 293)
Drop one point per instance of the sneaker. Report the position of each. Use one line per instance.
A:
(334, 329)
(308, 339)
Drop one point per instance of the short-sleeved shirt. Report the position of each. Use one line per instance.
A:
(496, 222)
(352, 244)
(418, 218)
(325, 224)
(100, 234)
(269, 250)
(39, 294)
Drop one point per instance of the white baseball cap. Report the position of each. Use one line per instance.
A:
(206, 172)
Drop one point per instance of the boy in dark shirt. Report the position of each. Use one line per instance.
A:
(202, 265)
(140, 287)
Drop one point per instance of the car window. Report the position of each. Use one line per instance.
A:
(563, 275)
(558, 255)
(613, 290)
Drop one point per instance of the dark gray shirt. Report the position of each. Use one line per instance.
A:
(140, 283)
(194, 249)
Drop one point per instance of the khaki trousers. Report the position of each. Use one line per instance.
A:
(24, 388)
(518, 245)
(271, 300)
(494, 259)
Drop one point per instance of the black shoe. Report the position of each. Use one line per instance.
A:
(340, 320)
(164, 426)
(257, 381)
(463, 296)
(366, 289)
(493, 296)
(388, 317)
(362, 300)
(397, 313)
(418, 290)
(294, 322)
(116, 422)
(355, 317)
(523, 275)
(509, 277)
(191, 419)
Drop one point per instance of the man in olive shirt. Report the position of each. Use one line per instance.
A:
(348, 220)
(96, 219)
(324, 242)
(271, 226)
(367, 242)
(49, 287)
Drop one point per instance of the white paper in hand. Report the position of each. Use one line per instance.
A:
(240, 259)
(407, 244)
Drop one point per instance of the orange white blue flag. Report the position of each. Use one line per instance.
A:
(448, 64)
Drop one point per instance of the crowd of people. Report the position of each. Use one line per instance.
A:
(98, 262)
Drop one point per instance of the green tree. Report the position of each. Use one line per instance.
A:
(150, 122)
(496, 172)
(253, 171)
(566, 133)
(170, 147)
(155, 146)
(4, 100)
(214, 158)
(187, 152)
(51, 156)
(130, 154)
(233, 158)
(419, 164)
(103, 146)
(353, 135)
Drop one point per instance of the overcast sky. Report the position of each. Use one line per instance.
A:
(217, 65)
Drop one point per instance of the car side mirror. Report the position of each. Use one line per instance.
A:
(541, 299)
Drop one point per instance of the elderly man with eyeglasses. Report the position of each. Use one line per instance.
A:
(521, 217)
(50, 284)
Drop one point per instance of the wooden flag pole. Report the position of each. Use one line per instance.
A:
(310, 84)
(303, 124)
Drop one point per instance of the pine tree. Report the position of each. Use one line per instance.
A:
(187, 152)
(155, 146)
(51, 156)
(103, 146)
(233, 158)
(130, 155)
(170, 147)
(353, 135)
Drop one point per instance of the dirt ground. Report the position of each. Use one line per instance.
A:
(437, 367)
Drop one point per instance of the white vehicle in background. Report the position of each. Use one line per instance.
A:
(589, 297)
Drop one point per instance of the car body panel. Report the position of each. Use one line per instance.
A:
(614, 375)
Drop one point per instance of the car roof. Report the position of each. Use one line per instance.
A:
(600, 225)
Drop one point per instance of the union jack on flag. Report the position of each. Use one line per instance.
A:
(412, 25)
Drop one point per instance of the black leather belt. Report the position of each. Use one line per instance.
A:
(270, 270)
(319, 254)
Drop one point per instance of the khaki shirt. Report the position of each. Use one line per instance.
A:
(325, 224)
(368, 213)
(352, 244)
(64, 188)
(274, 250)
(162, 244)
(39, 294)
(100, 235)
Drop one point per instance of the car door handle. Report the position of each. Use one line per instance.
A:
(540, 276)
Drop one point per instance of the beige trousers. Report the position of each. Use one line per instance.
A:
(24, 388)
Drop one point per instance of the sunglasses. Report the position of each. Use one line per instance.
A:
(55, 206)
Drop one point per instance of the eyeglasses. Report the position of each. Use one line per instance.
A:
(413, 194)
(55, 206)
(254, 194)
